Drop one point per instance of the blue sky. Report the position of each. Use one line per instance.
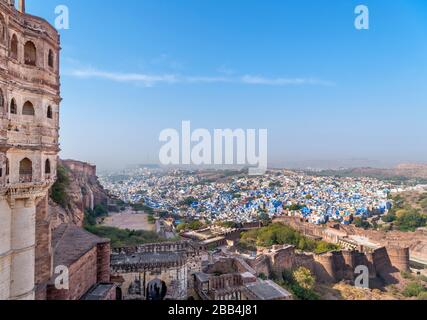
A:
(327, 93)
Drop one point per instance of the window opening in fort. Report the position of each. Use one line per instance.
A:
(25, 171)
(28, 109)
(47, 167)
(30, 53)
(13, 108)
(14, 47)
(1, 99)
(49, 112)
(50, 58)
(2, 29)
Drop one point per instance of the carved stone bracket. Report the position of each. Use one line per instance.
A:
(30, 195)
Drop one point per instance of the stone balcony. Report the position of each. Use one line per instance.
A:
(26, 178)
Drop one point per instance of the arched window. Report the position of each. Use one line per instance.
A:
(49, 112)
(25, 171)
(47, 167)
(14, 47)
(28, 109)
(50, 59)
(1, 99)
(30, 54)
(7, 166)
(13, 107)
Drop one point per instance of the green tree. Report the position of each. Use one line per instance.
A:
(422, 296)
(59, 189)
(411, 220)
(362, 223)
(124, 238)
(389, 217)
(413, 289)
(182, 227)
(195, 225)
(304, 278)
(188, 201)
(294, 207)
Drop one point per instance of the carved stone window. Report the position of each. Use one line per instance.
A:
(28, 109)
(30, 54)
(25, 171)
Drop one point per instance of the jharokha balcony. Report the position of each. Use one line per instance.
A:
(25, 178)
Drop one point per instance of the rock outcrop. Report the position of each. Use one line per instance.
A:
(83, 191)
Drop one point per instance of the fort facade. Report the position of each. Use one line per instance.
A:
(29, 123)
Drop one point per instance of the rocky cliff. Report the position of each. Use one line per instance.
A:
(76, 190)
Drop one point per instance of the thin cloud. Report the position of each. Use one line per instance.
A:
(125, 77)
(248, 79)
(152, 79)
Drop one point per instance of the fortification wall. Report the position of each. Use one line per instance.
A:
(399, 245)
(329, 267)
(80, 168)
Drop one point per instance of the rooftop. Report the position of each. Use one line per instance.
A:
(146, 258)
(268, 290)
(70, 243)
(363, 241)
(99, 292)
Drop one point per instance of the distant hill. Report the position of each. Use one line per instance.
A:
(400, 173)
